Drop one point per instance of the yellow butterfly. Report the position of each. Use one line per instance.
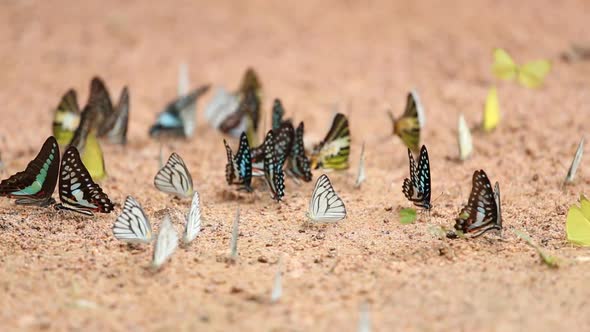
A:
(577, 224)
(85, 140)
(333, 151)
(530, 75)
(407, 127)
(66, 118)
(491, 113)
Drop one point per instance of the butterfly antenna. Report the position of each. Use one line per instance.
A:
(439, 196)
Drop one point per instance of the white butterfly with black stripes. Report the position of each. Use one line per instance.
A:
(132, 225)
(174, 178)
(325, 205)
(193, 221)
(166, 243)
(416, 188)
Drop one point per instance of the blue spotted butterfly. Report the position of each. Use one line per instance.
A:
(35, 185)
(238, 169)
(273, 167)
(417, 187)
(298, 164)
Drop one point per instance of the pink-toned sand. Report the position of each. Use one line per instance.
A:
(60, 271)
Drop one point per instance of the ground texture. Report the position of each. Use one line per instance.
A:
(59, 271)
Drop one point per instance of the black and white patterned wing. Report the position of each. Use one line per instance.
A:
(482, 212)
(132, 225)
(325, 205)
(77, 191)
(174, 178)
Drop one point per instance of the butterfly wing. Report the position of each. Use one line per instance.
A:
(532, 74)
(115, 127)
(299, 164)
(504, 67)
(166, 243)
(35, 185)
(77, 191)
(193, 221)
(481, 213)
(223, 105)
(66, 118)
(99, 103)
(325, 205)
(273, 171)
(571, 173)
(491, 115)
(132, 225)
(277, 114)
(284, 136)
(577, 227)
(417, 187)
(407, 127)
(464, 139)
(360, 178)
(187, 109)
(230, 167)
(174, 178)
(243, 161)
(333, 151)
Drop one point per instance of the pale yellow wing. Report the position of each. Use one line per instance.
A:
(92, 158)
(532, 74)
(577, 227)
(491, 114)
(585, 206)
(504, 67)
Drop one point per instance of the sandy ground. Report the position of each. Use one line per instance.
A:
(60, 271)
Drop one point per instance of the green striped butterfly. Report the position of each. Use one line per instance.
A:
(35, 185)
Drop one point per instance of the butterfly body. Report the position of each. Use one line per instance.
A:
(483, 210)
(35, 185)
(416, 188)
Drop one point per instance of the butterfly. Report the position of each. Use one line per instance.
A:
(166, 243)
(407, 127)
(482, 212)
(416, 188)
(178, 117)
(193, 220)
(325, 205)
(283, 142)
(333, 151)
(233, 245)
(238, 169)
(278, 112)
(66, 118)
(183, 80)
(35, 185)
(491, 113)
(77, 191)
(464, 139)
(360, 178)
(530, 75)
(298, 165)
(577, 224)
(234, 113)
(174, 178)
(273, 167)
(86, 142)
(132, 225)
(571, 173)
(115, 124)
